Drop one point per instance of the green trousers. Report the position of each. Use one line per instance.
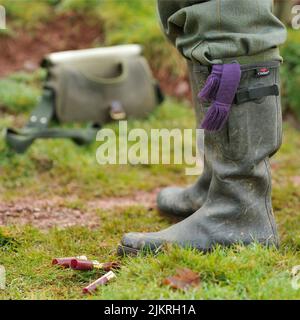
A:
(219, 31)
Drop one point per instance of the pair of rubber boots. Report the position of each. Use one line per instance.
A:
(231, 201)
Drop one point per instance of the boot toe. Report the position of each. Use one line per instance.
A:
(133, 240)
(140, 241)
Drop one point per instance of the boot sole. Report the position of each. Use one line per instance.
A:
(125, 251)
(128, 251)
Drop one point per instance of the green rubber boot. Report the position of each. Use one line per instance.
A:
(182, 202)
(238, 206)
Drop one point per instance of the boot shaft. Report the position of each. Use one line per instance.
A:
(198, 77)
(238, 205)
(253, 131)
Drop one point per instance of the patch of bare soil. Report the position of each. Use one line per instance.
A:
(26, 48)
(146, 199)
(45, 214)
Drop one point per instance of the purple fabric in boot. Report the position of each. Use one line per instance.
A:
(209, 92)
(218, 112)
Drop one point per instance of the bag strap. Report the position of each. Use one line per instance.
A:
(37, 127)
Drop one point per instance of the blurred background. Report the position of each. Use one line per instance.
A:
(35, 28)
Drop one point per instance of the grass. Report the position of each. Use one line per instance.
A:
(290, 85)
(75, 170)
(27, 14)
(240, 273)
(19, 92)
(237, 273)
(130, 27)
(58, 168)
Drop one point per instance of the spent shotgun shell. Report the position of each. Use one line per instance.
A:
(99, 282)
(66, 262)
(78, 264)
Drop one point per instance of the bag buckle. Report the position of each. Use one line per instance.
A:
(116, 111)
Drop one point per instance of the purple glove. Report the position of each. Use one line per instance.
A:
(221, 89)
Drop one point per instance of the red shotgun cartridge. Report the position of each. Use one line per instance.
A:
(99, 282)
(78, 264)
(66, 262)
